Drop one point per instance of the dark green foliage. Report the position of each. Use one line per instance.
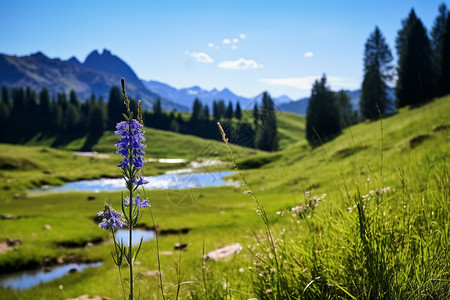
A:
(229, 112)
(219, 110)
(73, 118)
(266, 134)
(97, 119)
(377, 71)
(444, 75)
(347, 115)
(5, 95)
(157, 107)
(206, 112)
(415, 82)
(238, 112)
(437, 39)
(322, 115)
(73, 98)
(115, 107)
(44, 102)
(18, 100)
(255, 116)
(197, 110)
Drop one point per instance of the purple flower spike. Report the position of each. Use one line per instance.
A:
(111, 218)
(131, 144)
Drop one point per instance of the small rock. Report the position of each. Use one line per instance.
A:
(73, 270)
(7, 217)
(60, 261)
(223, 252)
(180, 246)
(47, 227)
(13, 242)
(150, 273)
(46, 269)
(16, 196)
(90, 197)
(87, 297)
(89, 244)
(166, 253)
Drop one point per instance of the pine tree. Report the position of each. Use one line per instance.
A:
(216, 114)
(238, 112)
(157, 110)
(437, 38)
(197, 110)
(347, 115)
(5, 96)
(115, 108)
(97, 119)
(73, 98)
(266, 135)
(255, 116)
(377, 71)
(322, 114)
(415, 82)
(444, 76)
(221, 110)
(229, 112)
(206, 112)
(44, 102)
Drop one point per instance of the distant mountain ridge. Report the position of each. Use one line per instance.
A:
(187, 96)
(96, 75)
(301, 106)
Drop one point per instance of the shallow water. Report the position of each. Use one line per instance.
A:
(160, 182)
(27, 279)
(123, 235)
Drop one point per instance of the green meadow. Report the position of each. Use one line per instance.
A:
(380, 232)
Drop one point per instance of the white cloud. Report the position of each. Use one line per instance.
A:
(242, 36)
(240, 64)
(309, 54)
(210, 45)
(202, 57)
(306, 82)
(235, 40)
(226, 41)
(234, 47)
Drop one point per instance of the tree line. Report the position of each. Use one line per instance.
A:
(25, 113)
(422, 73)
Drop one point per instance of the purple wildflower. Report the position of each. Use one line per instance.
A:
(137, 201)
(141, 181)
(131, 144)
(111, 218)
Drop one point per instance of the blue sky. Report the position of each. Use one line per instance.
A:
(246, 46)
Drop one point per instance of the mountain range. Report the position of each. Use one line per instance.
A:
(96, 75)
(99, 72)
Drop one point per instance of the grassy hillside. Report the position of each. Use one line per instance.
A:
(381, 231)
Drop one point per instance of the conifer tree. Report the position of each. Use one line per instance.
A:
(266, 135)
(444, 76)
(157, 110)
(229, 112)
(415, 82)
(5, 96)
(73, 98)
(437, 39)
(322, 113)
(238, 112)
(44, 102)
(377, 71)
(114, 107)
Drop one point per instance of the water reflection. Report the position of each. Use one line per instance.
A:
(123, 235)
(27, 279)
